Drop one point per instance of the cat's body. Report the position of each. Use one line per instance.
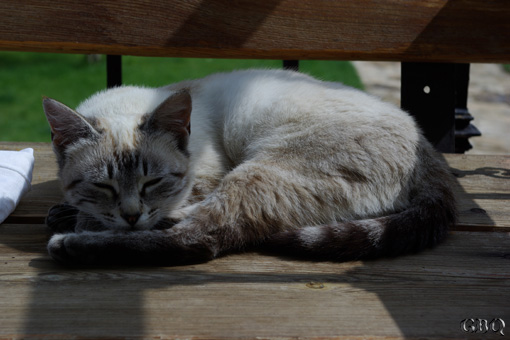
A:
(273, 157)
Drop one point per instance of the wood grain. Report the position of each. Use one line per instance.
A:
(415, 30)
(254, 295)
(482, 190)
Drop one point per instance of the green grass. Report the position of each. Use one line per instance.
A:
(27, 77)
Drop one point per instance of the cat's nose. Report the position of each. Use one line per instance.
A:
(131, 218)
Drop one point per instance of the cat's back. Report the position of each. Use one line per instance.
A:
(256, 105)
(240, 108)
(277, 96)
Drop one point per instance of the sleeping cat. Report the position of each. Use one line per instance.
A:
(258, 158)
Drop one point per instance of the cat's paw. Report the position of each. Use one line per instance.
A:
(62, 218)
(88, 223)
(69, 249)
(57, 250)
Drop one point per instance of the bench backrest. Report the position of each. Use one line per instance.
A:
(398, 30)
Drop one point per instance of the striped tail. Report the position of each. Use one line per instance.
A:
(422, 225)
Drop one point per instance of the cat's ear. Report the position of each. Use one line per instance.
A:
(173, 115)
(67, 126)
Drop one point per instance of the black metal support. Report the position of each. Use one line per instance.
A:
(428, 93)
(291, 65)
(463, 127)
(436, 95)
(113, 70)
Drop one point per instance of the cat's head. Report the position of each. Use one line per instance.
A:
(126, 175)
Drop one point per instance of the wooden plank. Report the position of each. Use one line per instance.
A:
(254, 295)
(482, 190)
(416, 30)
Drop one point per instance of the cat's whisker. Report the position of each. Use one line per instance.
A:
(64, 217)
(63, 208)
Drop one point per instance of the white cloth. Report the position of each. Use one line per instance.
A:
(15, 178)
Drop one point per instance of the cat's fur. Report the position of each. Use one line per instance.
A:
(274, 158)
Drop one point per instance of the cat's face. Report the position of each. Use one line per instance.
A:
(124, 186)
(130, 189)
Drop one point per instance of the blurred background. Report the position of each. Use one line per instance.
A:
(26, 77)
(488, 99)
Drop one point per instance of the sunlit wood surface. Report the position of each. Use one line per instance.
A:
(253, 295)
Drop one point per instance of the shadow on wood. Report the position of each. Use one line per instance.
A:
(35, 204)
(218, 24)
(250, 295)
(482, 191)
(443, 30)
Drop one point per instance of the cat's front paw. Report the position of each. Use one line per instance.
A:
(68, 249)
(56, 248)
(62, 218)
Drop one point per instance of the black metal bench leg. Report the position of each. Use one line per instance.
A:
(291, 65)
(113, 70)
(463, 128)
(436, 95)
(428, 93)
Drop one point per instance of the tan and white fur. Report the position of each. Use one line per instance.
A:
(258, 158)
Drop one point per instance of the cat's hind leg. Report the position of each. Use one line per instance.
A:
(255, 201)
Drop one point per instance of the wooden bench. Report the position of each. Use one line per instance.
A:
(426, 295)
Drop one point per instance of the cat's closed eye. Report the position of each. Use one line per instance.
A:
(107, 187)
(149, 184)
(178, 174)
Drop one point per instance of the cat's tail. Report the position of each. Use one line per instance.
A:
(426, 221)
